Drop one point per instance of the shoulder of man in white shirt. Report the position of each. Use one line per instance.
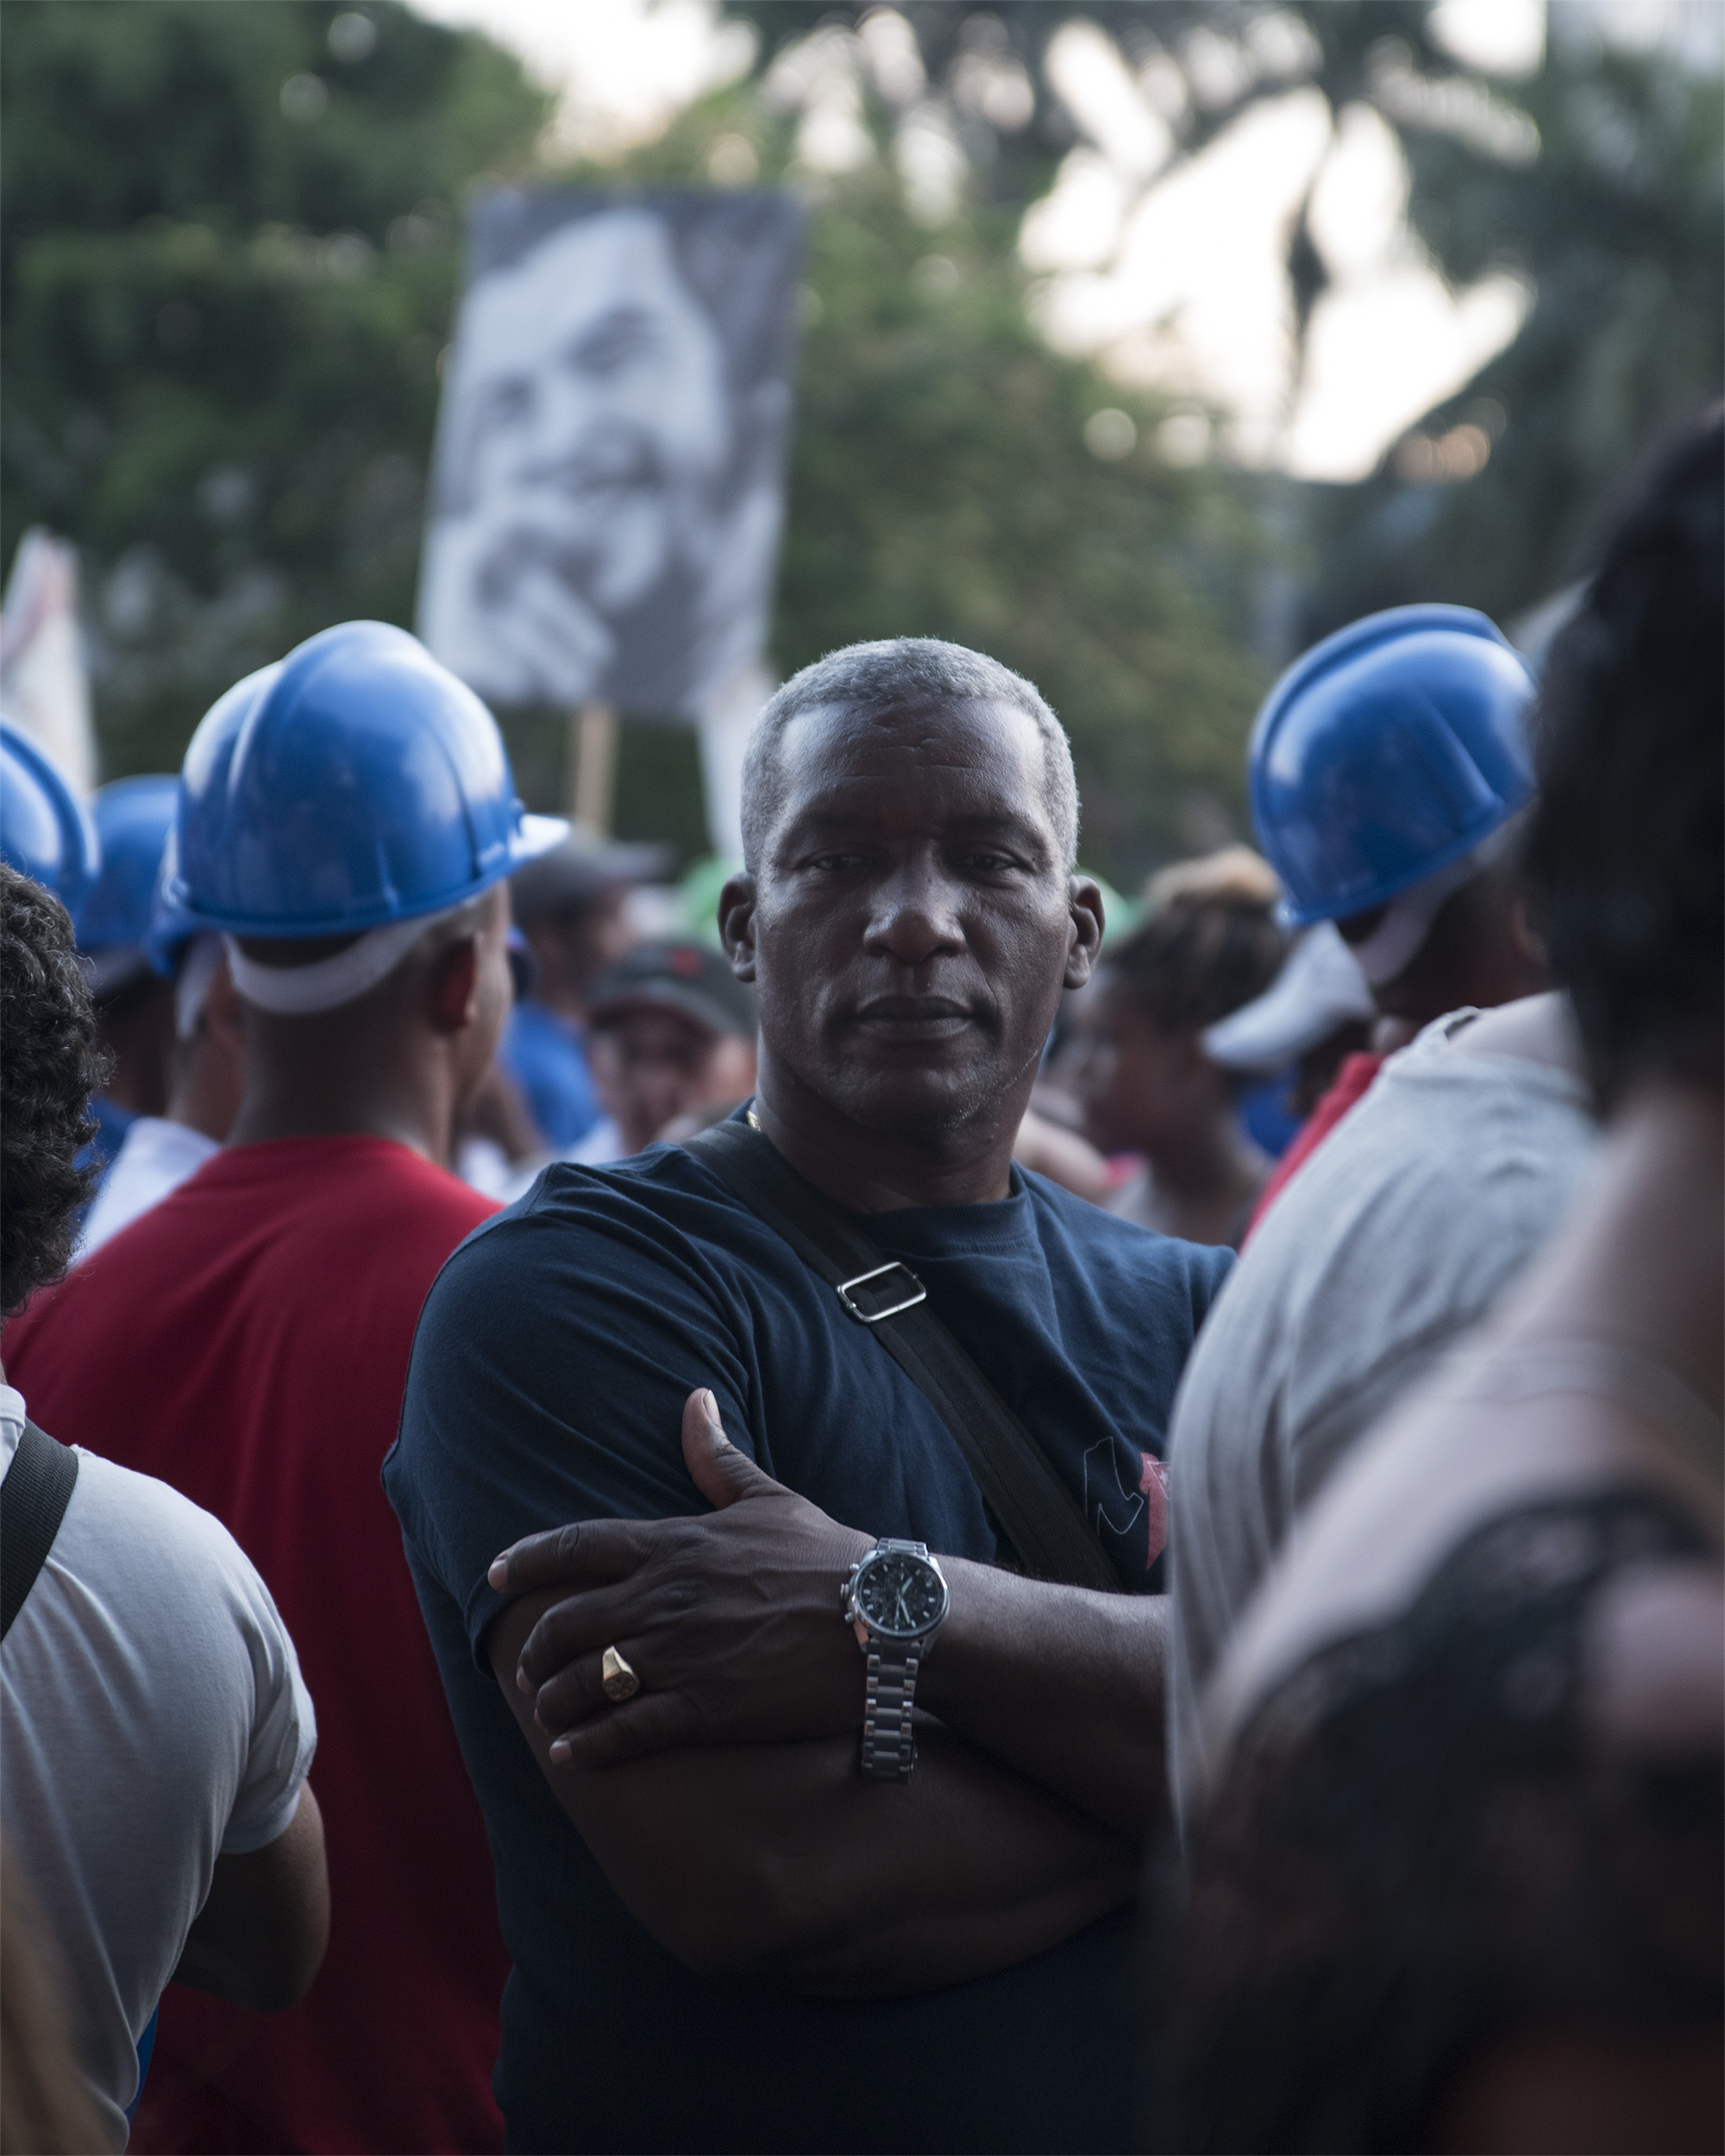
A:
(158, 1737)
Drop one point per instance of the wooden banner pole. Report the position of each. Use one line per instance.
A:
(590, 768)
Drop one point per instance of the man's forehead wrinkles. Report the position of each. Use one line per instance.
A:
(868, 800)
(919, 727)
(831, 777)
(887, 760)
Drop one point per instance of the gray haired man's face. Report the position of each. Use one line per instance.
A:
(915, 921)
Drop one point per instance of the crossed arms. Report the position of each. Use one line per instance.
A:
(724, 1801)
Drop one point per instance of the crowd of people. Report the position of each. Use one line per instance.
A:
(907, 1524)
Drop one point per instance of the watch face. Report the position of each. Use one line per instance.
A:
(900, 1595)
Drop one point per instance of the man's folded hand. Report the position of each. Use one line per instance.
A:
(731, 1620)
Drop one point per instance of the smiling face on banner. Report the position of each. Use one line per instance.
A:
(594, 496)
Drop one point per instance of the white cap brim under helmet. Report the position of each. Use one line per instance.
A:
(298, 992)
(197, 968)
(1319, 988)
(1393, 945)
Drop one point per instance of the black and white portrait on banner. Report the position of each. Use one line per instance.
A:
(609, 479)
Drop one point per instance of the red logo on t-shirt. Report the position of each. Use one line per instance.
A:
(1154, 1484)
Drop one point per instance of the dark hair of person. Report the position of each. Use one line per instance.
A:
(49, 1067)
(1627, 852)
(1209, 944)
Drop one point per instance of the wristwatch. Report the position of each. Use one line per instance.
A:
(896, 1600)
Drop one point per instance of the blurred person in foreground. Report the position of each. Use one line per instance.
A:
(670, 1034)
(1408, 1222)
(44, 2107)
(1460, 1817)
(154, 1729)
(1387, 768)
(1403, 1234)
(568, 905)
(247, 1338)
(1147, 1083)
(745, 1911)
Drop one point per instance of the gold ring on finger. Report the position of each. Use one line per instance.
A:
(616, 1679)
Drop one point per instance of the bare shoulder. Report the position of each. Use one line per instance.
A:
(1449, 1462)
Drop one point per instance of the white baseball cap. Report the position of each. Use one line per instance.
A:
(1319, 988)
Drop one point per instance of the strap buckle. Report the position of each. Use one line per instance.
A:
(918, 1293)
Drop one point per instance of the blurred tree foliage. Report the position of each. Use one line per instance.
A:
(1618, 222)
(230, 246)
(1620, 225)
(227, 257)
(941, 485)
(230, 257)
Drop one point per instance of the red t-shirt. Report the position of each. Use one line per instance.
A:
(246, 1340)
(1348, 1087)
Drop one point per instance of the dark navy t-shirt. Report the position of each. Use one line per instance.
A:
(548, 1382)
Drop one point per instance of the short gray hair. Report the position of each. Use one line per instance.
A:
(912, 673)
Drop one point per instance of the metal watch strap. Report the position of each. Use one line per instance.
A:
(889, 1691)
(888, 1742)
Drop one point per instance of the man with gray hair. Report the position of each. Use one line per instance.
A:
(750, 1903)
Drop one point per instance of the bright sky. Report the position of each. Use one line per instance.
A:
(1174, 283)
(624, 67)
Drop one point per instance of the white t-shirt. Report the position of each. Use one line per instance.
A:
(154, 1157)
(152, 1718)
(1398, 1234)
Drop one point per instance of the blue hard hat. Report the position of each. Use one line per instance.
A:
(171, 926)
(132, 818)
(1389, 750)
(357, 781)
(44, 831)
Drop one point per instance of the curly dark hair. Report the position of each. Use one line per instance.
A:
(1627, 852)
(49, 1067)
(1208, 944)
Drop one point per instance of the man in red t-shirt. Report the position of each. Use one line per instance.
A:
(246, 1340)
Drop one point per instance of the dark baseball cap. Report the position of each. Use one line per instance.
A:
(690, 978)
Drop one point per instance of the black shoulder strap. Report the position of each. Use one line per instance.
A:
(33, 1502)
(1040, 1518)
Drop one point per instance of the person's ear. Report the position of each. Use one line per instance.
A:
(453, 989)
(737, 924)
(1084, 945)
